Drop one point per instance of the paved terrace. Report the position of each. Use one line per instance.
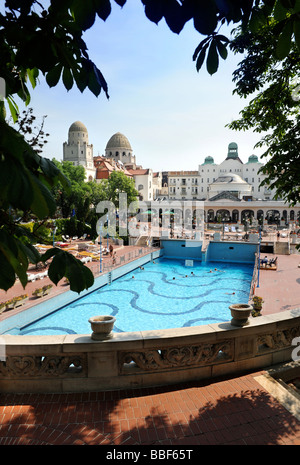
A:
(235, 410)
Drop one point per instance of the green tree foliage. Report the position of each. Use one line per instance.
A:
(118, 182)
(83, 197)
(48, 40)
(272, 79)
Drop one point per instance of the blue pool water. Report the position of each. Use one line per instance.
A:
(165, 294)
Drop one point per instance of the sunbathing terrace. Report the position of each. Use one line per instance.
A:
(234, 409)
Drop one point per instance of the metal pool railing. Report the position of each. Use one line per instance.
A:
(254, 277)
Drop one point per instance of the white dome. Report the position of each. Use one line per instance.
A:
(229, 179)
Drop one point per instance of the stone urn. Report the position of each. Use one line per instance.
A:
(102, 326)
(240, 314)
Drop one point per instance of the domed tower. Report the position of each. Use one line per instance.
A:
(78, 150)
(209, 160)
(119, 149)
(232, 150)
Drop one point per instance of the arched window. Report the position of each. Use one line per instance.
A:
(210, 215)
(235, 216)
(260, 216)
(223, 215)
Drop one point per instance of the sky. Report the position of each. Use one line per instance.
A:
(172, 115)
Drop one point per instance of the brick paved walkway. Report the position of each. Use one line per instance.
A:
(236, 411)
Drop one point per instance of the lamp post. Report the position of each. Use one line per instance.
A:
(99, 231)
(100, 249)
(54, 232)
(259, 241)
(107, 232)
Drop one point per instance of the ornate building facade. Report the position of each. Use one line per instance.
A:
(230, 190)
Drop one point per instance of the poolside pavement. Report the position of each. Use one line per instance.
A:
(234, 410)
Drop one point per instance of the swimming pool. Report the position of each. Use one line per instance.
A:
(160, 295)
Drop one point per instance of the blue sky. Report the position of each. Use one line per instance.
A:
(172, 115)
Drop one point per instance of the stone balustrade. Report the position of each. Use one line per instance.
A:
(76, 363)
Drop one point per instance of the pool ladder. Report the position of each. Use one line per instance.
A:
(109, 277)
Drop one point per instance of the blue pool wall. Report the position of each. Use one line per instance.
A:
(182, 249)
(13, 324)
(233, 252)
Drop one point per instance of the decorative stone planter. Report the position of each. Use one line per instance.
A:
(38, 293)
(102, 326)
(21, 301)
(240, 314)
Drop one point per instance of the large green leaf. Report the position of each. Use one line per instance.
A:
(67, 78)
(43, 203)
(205, 17)
(53, 75)
(103, 8)
(7, 273)
(66, 265)
(14, 259)
(212, 61)
(201, 57)
(84, 13)
(284, 41)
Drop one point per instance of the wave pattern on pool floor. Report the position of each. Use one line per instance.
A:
(164, 294)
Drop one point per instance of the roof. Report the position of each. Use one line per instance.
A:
(139, 172)
(183, 173)
(118, 141)
(230, 178)
(104, 167)
(78, 126)
(208, 161)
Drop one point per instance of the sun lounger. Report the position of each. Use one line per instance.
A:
(268, 264)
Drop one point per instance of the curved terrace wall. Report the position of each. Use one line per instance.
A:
(76, 363)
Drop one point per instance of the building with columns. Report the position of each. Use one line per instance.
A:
(231, 178)
(230, 191)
